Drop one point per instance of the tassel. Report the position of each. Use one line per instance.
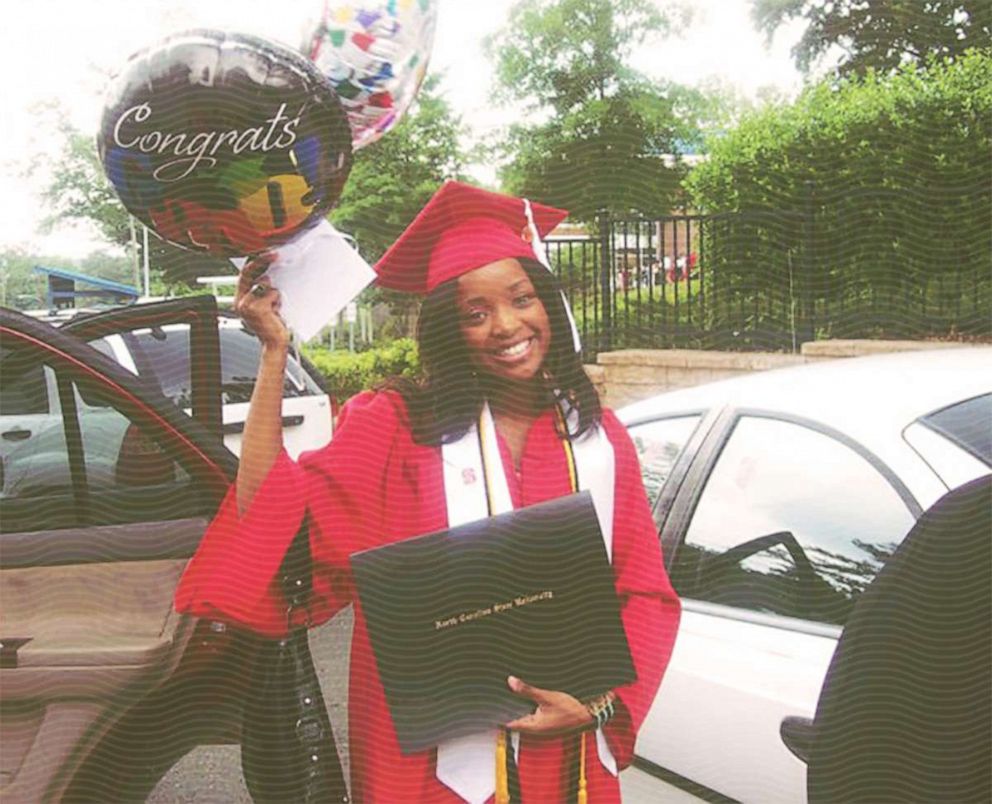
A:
(583, 795)
(502, 781)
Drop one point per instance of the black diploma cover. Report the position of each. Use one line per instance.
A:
(451, 614)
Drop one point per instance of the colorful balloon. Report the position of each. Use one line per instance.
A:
(375, 53)
(224, 143)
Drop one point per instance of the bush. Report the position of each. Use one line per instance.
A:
(348, 373)
(862, 209)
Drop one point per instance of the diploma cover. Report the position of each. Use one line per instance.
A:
(451, 614)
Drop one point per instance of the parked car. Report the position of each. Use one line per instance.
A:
(778, 497)
(163, 354)
(102, 686)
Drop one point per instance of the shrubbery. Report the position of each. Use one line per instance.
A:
(861, 209)
(347, 373)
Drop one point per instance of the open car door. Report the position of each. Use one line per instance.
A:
(197, 362)
(100, 507)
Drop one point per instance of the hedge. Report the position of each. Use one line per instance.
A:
(348, 373)
(863, 209)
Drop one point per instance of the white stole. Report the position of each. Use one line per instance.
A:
(467, 765)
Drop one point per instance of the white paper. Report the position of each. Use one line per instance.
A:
(316, 275)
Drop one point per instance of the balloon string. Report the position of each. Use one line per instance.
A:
(321, 31)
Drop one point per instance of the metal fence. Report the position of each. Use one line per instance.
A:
(771, 280)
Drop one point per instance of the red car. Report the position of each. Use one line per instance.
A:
(102, 686)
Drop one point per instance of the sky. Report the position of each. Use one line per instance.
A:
(63, 50)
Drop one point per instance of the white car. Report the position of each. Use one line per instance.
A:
(164, 352)
(161, 353)
(778, 497)
(32, 442)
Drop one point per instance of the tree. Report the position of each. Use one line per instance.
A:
(393, 178)
(879, 34)
(866, 194)
(76, 188)
(605, 128)
(20, 287)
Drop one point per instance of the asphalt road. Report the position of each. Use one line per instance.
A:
(212, 774)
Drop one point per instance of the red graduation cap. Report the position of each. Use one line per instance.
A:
(460, 229)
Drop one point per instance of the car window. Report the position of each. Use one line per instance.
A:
(791, 521)
(164, 354)
(122, 472)
(158, 354)
(101, 345)
(239, 353)
(968, 424)
(954, 466)
(659, 444)
(119, 454)
(23, 388)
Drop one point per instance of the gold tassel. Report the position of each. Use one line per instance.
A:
(583, 796)
(502, 781)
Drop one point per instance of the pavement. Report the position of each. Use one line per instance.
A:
(212, 774)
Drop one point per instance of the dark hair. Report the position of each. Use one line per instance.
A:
(446, 401)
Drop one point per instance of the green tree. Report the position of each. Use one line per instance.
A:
(76, 189)
(603, 129)
(393, 178)
(20, 287)
(390, 182)
(867, 196)
(879, 34)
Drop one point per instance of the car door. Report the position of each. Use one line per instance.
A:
(198, 361)
(26, 407)
(97, 518)
(778, 524)
(161, 353)
(307, 420)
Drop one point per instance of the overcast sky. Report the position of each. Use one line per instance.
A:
(62, 49)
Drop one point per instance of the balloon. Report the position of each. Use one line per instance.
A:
(375, 53)
(224, 143)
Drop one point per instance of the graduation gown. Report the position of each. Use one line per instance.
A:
(374, 485)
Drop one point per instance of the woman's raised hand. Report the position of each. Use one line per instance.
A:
(257, 302)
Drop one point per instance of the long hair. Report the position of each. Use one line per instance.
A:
(448, 398)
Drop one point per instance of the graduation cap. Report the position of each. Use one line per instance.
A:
(463, 228)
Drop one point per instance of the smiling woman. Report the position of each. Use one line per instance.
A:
(502, 417)
(497, 334)
(504, 323)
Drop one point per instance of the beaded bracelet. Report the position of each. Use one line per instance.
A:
(601, 708)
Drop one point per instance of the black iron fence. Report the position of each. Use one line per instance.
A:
(771, 280)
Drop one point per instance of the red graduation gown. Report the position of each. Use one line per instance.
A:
(372, 485)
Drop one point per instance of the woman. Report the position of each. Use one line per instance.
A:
(503, 384)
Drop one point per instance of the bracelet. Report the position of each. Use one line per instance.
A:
(601, 708)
